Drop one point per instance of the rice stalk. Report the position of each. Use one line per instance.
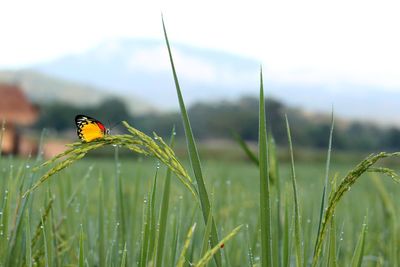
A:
(136, 141)
(253, 158)
(209, 254)
(345, 186)
(297, 227)
(194, 155)
(182, 257)
(81, 256)
(265, 206)
(328, 161)
(162, 222)
(359, 250)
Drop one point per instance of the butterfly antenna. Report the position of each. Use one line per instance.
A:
(115, 125)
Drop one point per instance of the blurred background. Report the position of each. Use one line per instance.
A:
(109, 61)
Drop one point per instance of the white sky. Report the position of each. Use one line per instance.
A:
(311, 41)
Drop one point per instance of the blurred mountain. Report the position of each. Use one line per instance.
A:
(140, 69)
(43, 89)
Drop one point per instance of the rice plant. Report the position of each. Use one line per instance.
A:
(76, 210)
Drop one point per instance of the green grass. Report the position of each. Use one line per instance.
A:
(77, 206)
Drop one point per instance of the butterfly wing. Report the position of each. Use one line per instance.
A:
(89, 129)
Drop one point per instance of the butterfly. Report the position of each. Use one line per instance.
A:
(89, 129)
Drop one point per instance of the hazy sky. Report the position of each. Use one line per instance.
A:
(308, 41)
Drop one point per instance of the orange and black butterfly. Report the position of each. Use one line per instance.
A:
(89, 129)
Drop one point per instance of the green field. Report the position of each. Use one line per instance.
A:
(153, 210)
(84, 198)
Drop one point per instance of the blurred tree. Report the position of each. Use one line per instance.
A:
(218, 119)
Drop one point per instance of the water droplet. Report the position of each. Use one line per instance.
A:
(41, 227)
(1, 213)
(174, 133)
(27, 166)
(308, 221)
(155, 138)
(114, 145)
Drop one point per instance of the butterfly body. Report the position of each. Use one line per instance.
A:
(89, 129)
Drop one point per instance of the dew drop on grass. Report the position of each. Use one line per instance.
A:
(27, 166)
(1, 213)
(41, 227)
(114, 145)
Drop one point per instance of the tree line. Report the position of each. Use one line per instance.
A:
(221, 119)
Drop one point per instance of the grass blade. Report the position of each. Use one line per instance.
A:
(207, 257)
(28, 249)
(120, 209)
(328, 161)
(146, 233)
(152, 233)
(332, 260)
(297, 233)
(193, 154)
(46, 253)
(265, 206)
(81, 250)
(359, 251)
(207, 232)
(245, 148)
(123, 260)
(101, 241)
(164, 212)
(286, 237)
(181, 261)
